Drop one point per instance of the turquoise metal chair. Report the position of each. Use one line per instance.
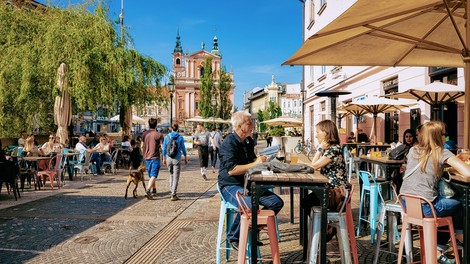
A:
(226, 216)
(373, 189)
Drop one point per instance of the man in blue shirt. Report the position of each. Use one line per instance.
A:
(237, 155)
(174, 163)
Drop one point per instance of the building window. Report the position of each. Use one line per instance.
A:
(201, 72)
(312, 10)
(178, 61)
(312, 73)
(323, 106)
(196, 105)
(323, 69)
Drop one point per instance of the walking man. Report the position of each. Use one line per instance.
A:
(151, 142)
(172, 157)
(201, 139)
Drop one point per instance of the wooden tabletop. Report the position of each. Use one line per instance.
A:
(315, 177)
(381, 160)
(36, 158)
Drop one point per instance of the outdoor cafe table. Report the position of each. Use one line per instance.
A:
(388, 166)
(34, 160)
(462, 184)
(307, 181)
(366, 147)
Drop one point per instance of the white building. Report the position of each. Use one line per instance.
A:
(369, 81)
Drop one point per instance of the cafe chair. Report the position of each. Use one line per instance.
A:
(350, 162)
(112, 163)
(427, 227)
(83, 164)
(266, 220)
(373, 189)
(391, 209)
(226, 216)
(343, 220)
(53, 171)
(9, 176)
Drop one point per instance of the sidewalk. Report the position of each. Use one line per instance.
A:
(91, 222)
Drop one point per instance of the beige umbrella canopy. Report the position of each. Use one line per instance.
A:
(395, 33)
(135, 119)
(196, 119)
(284, 121)
(63, 104)
(217, 120)
(376, 105)
(435, 94)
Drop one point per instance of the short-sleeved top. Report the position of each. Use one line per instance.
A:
(422, 183)
(232, 152)
(203, 138)
(152, 141)
(335, 171)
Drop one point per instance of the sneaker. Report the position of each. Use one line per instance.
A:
(204, 177)
(148, 195)
(234, 244)
(443, 259)
(154, 192)
(174, 198)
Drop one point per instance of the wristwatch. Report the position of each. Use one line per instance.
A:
(320, 149)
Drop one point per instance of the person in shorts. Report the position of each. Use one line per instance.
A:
(151, 142)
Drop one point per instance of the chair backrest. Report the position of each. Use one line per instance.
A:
(19, 152)
(243, 206)
(55, 163)
(412, 207)
(346, 154)
(222, 200)
(114, 155)
(81, 157)
(366, 177)
(347, 199)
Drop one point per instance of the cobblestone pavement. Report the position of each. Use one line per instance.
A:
(91, 222)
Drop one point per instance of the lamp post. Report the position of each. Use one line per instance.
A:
(171, 89)
(214, 104)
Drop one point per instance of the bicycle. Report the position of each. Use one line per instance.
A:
(307, 150)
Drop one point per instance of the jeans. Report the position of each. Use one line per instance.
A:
(174, 167)
(213, 154)
(268, 200)
(95, 157)
(445, 207)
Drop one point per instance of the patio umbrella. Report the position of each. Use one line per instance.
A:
(395, 33)
(376, 105)
(217, 120)
(434, 94)
(62, 105)
(355, 111)
(135, 119)
(196, 119)
(284, 121)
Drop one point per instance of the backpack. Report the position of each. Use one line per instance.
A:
(172, 147)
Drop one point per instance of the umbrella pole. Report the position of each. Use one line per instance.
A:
(466, 107)
(375, 129)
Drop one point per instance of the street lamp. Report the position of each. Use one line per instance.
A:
(171, 89)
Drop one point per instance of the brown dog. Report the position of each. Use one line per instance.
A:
(135, 177)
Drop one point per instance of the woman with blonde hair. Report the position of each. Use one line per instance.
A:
(425, 166)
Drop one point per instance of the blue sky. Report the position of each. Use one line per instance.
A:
(255, 36)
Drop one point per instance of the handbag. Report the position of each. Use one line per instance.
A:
(399, 152)
(444, 188)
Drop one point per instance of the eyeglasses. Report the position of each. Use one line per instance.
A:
(51, 137)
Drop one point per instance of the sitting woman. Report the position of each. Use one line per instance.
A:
(330, 161)
(425, 166)
(31, 150)
(409, 140)
(49, 147)
(103, 148)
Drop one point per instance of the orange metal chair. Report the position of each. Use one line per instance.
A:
(266, 220)
(55, 164)
(427, 227)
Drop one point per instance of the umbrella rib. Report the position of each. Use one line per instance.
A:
(368, 22)
(462, 41)
(415, 39)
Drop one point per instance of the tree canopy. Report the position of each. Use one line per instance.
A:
(101, 69)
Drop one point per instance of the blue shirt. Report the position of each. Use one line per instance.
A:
(179, 141)
(233, 152)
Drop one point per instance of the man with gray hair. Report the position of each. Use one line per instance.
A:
(237, 155)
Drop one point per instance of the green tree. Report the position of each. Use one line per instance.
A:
(224, 104)
(273, 111)
(262, 126)
(35, 42)
(207, 90)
